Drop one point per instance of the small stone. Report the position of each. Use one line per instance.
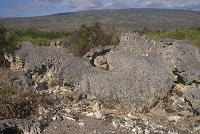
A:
(40, 109)
(169, 110)
(86, 112)
(70, 118)
(174, 118)
(67, 110)
(140, 131)
(81, 124)
(131, 116)
(54, 118)
(116, 123)
(134, 130)
(147, 131)
(96, 106)
(40, 118)
(90, 114)
(99, 115)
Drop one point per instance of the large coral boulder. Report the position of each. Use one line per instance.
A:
(192, 95)
(133, 84)
(182, 55)
(55, 61)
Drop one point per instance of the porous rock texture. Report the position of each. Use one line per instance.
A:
(10, 126)
(182, 55)
(136, 43)
(65, 67)
(192, 95)
(134, 83)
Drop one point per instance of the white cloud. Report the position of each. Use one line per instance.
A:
(79, 5)
(173, 4)
(42, 3)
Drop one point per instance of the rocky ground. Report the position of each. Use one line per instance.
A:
(139, 86)
(170, 116)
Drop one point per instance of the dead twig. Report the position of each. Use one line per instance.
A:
(11, 109)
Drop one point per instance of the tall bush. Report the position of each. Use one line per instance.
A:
(88, 37)
(3, 31)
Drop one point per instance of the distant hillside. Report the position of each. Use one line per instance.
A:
(121, 19)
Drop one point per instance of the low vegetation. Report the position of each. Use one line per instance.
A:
(15, 103)
(2, 44)
(191, 34)
(81, 40)
(88, 37)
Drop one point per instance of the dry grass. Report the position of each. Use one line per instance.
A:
(19, 104)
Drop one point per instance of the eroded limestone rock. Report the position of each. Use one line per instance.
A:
(192, 95)
(181, 55)
(15, 125)
(64, 67)
(134, 84)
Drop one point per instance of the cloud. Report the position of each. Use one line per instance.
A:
(172, 4)
(42, 3)
(79, 5)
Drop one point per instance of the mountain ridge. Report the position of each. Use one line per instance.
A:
(121, 19)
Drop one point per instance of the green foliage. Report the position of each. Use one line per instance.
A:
(42, 38)
(3, 31)
(11, 42)
(79, 41)
(2, 36)
(88, 37)
(115, 39)
(9, 39)
(192, 34)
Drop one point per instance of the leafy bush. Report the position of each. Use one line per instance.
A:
(42, 38)
(3, 31)
(192, 34)
(11, 41)
(88, 37)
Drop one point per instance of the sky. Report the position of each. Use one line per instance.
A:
(28, 8)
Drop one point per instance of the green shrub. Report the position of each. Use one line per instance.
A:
(42, 38)
(88, 37)
(115, 39)
(79, 41)
(11, 42)
(192, 34)
(3, 31)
